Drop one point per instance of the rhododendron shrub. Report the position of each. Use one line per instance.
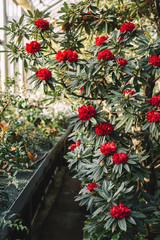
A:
(116, 123)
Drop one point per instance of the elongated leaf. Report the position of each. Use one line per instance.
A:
(109, 222)
(131, 220)
(129, 124)
(121, 123)
(122, 224)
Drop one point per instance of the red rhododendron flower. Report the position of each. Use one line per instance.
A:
(44, 74)
(78, 143)
(155, 101)
(119, 39)
(153, 116)
(108, 148)
(120, 158)
(120, 211)
(154, 60)
(67, 56)
(104, 129)
(128, 92)
(40, 23)
(105, 55)
(122, 61)
(73, 146)
(86, 113)
(100, 40)
(127, 27)
(91, 187)
(33, 47)
(81, 89)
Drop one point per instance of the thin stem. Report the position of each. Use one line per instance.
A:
(156, 78)
(157, 158)
(49, 44)
(77, 95)
(143, 14)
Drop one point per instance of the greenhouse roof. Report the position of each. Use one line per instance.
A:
(52, 5)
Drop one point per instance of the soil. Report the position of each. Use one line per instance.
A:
(62, 218)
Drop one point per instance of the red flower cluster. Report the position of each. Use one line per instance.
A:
(100, 40)
(153, 116)
(40, 23)
(67, 56)
(122, 61)
(120, 158)
(33, 47)
(105, 55)
(86, 113)
(108, 148)
(73, 146)
(44, 74)
(120, 211)
(119, 39)
(104, 129)
(154, 60)
(155, 101)
(128, 92)
(127, 27)
(91, 187)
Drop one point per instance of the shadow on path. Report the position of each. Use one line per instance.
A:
(64, 220)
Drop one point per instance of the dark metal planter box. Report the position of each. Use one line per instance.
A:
(33, 194)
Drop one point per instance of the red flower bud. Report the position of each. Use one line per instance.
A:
(122, 61)
(120, 211)
(91, 187)
(104, 129)
(44, 74)
(128, 93)
(108, 148)
(127, 27)
(67, 56)
(153, 116)
(155, 101)
(33, 47)
(105, 55)
(120, 158)
(154, 60)
(40, 23)
(86, 113)
(100, 40)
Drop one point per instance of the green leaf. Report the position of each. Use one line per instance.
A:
(131, 220)
(138, 214)
(122, 224)
(21, 19)
(119, 190)
(129, 124)
(109, 222)
(121, 123)
(127, 167)
(145, 126)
